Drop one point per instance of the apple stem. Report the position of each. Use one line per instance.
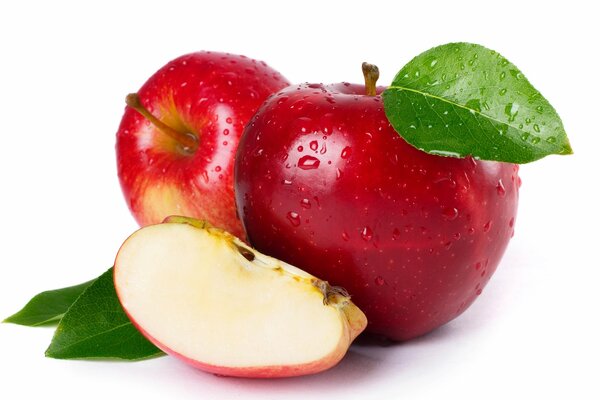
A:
(371, 74)
(187, 140)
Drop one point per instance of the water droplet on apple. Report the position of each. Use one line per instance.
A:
(379, 281)
(314, 145)
(477, 266)
(345, 236)
(346, 152)
(218, 168)
(323, 148)
(338, 173)
(282, 100)
(511, 223)
(550, 139)
(300, 149)
(478, 291)
(286, 182)
(225, 132)
(294, 218)
(228, 120)
(396, 234)
(450, 213)
(225, 143)
(204, 175)
(308, 162)
(315, 85)
(500, 188)
(305, 203)
(366, 233)
(487, 226)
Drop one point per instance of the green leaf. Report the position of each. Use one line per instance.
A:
(97, 327)
(47, 308)
(463, 99)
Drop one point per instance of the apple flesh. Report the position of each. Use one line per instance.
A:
(204, 296)
(325, 183)
(178, 158)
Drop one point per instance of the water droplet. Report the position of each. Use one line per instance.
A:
(228, 120)
(346, 152)
(396, 234)
(308, 162)
(433, 63)
(282, 100)
(450, 213)
(286, 182)
(511, 109)
(294, 218)
(218, 169)
(536, 128)
(474, 104)
(502, 75)
(477, 266)
(366, 233)
(487, 226)
(500, 188)
(551, 139)
(379, 281)
(205, 176)
(511, 223)
(305, 203)
(300, 148)
(502, 92)
(315, 85)
(539, 109)
(536, 140)
(314, 145)
(225, 132)
(338, 173)
(323, 148)
(478, 292)
(524, 136)
(345, 236)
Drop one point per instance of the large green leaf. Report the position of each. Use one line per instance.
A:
(463, 99)
(47, 308)
(97, 327)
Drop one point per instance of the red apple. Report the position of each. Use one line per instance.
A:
(178, 137)
(324, 182)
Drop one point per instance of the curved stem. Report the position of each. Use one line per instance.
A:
(188, 141)
(371, 74)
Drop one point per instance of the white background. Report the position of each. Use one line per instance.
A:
(64, 71)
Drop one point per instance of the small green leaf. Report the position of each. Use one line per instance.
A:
(97, 327)
(47, 308)
(463, 99)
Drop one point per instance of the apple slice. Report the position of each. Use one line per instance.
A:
(202, 295)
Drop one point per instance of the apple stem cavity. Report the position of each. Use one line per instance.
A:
(371, 74)
(187, 140)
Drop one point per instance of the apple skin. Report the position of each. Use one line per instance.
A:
(322, 181)
(211, 95)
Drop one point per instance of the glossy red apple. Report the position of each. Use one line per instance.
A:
(325, 183)
(177, 139)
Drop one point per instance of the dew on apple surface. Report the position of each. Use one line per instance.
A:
(450, 213)
(305, 203)
(500, 188)
(308, 162)
(346, 152)
(366, 234)
(294, 218)
(487, 226)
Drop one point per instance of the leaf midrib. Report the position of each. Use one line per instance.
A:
(426, 94)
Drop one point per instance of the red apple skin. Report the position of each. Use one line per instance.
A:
(324, 182)
(212, 95)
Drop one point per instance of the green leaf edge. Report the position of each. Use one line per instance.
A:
(17, 318)
(48, 352)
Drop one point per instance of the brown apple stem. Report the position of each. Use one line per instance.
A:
(371, 74)
(187, 140)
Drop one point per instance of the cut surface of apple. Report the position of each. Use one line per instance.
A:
(204, 296)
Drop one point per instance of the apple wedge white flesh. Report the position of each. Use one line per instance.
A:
(202, 295)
